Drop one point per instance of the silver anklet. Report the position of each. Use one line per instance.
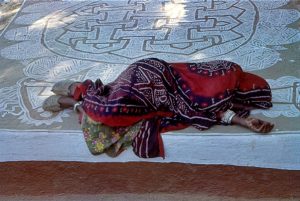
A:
(76, 105)
(227, 117)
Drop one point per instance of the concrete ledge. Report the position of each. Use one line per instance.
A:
(278, 150)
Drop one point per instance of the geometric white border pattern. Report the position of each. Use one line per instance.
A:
(286, 98)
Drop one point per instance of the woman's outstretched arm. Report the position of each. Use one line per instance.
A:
(254, 124)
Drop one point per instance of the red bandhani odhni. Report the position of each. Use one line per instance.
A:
(171, 96)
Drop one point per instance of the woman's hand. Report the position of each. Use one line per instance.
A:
(254, 124)
(258, 125)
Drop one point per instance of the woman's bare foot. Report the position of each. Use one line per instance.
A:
(66, 102)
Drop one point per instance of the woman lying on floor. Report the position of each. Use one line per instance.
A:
(152, 96)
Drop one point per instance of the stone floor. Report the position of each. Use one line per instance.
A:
(52, 40)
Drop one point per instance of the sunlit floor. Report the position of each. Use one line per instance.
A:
(54, 40)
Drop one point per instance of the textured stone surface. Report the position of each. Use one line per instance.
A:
(56, 178)
(137, 197)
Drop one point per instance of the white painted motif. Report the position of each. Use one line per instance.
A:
(286, 97)
(29, 94)
(78, 40)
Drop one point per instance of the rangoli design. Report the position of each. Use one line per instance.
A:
(98, 39)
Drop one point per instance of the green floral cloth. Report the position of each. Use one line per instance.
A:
(104, 139)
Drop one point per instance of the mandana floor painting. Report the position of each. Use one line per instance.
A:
(53, 40)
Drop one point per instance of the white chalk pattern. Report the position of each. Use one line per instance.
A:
(90, 39)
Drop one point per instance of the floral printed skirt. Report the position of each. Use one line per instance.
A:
(104, 139)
